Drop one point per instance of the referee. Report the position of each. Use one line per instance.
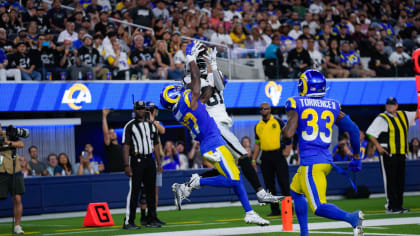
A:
(273, 159)
(388, 132)
(140, 139)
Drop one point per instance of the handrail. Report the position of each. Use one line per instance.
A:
(110, 18)
(216, 44)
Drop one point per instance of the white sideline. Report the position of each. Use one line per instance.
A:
(278, 228)
(172, 207)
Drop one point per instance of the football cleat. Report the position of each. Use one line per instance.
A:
(358, 230)
(252, 217)
(18, 230)
(194, 182)
(266, 197)
(181, 192)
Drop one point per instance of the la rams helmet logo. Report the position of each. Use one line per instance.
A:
(75, 95)
(273, 91)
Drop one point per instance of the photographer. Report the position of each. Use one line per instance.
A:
(341, 152)
(11, 178)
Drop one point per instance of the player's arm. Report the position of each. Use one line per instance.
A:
(195, 73)
(344, 123)
(290, 128)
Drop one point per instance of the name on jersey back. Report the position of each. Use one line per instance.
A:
(308, 102)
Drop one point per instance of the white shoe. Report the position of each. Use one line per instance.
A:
(194, 182)
(267, 197)
(358, 230)
(181, 192)
(252, 217)
(18, 230)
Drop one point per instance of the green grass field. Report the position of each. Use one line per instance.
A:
(226, 217)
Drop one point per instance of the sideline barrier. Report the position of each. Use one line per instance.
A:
(92, 95)
(74, 193)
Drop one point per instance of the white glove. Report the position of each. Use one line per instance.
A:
(195, 51)
(211, 57)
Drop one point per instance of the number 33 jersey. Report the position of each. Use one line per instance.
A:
(316, 119)
(202, 127)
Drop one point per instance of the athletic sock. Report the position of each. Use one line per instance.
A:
(249, 172)
(242, 195)
(331, 211)
(218, 181)
(143, 212)
(301, 209)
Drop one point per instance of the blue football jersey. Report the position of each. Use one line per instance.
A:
(203, 128)
(316, 119)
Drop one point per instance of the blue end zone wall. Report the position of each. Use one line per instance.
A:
(74, 193)
(59, 96)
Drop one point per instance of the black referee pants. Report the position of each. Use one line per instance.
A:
(273, 165)
(144, 170)
(393, 172)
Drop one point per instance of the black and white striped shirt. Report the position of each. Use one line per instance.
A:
(141, 136)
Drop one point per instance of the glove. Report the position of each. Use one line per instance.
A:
(193, 50)
(355, 165)
(211, 57)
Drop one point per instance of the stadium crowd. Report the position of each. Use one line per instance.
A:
(342, 38)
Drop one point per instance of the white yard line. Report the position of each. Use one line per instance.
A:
(84, 231)
(351, 233)
(278, 228)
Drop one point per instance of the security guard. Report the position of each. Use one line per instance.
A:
(388, 132)
(17, 188)
(273, 157)
(140, 140)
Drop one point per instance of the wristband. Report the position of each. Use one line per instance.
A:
(254, 161)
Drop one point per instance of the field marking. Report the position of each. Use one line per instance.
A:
(79, 232)
(25, 233)
(351, 233)
(185, 222)
(278, 228)
(375, 227)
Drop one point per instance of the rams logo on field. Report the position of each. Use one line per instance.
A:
(273, 91)
(75, 95)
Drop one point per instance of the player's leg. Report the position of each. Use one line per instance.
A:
(301, 205)
(315, 188)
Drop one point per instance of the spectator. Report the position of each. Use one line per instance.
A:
(4, 72)
(86, 24)
(342, 151)
(33, 34)
(89, 61)
(221, 37)
(53, 168)
(103, 23)
(246, 143)
(57, 16)
(24, 63)
(363, 145)
(85, 166)
(414, 148)
(273, 63)
(391, 142)
(295, 33)
(180, 56)
(142, 58)
(68, 33)
(68, 56)
(170, 161)
(96, 160)
(5, 23)
(401, 60)
(113, 150)
(160, 11)
(195, 156)
(174, 43)
(5, 44)
(93, 7)
(37, 167)
(183, 159)
(21, 37)
(41, 19)
(120, 62)
(317, 57)
(351, 62)
(231, 12)
(298, 60)
(49, 58)
(333, 61)
(166, 66)
(64, 163)
(237, 36)
(379, 62)
(141, 14)
(256, 41)
(79, 41)
(25, 168)
(200, 34)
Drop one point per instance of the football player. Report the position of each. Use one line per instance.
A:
(190, 111)
(212, 86)
(313, 116)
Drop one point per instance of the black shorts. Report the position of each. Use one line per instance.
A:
(6, 185)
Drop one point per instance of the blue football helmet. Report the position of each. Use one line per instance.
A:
(312, 83)
(170, 96)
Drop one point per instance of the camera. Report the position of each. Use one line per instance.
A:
(14, 133)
